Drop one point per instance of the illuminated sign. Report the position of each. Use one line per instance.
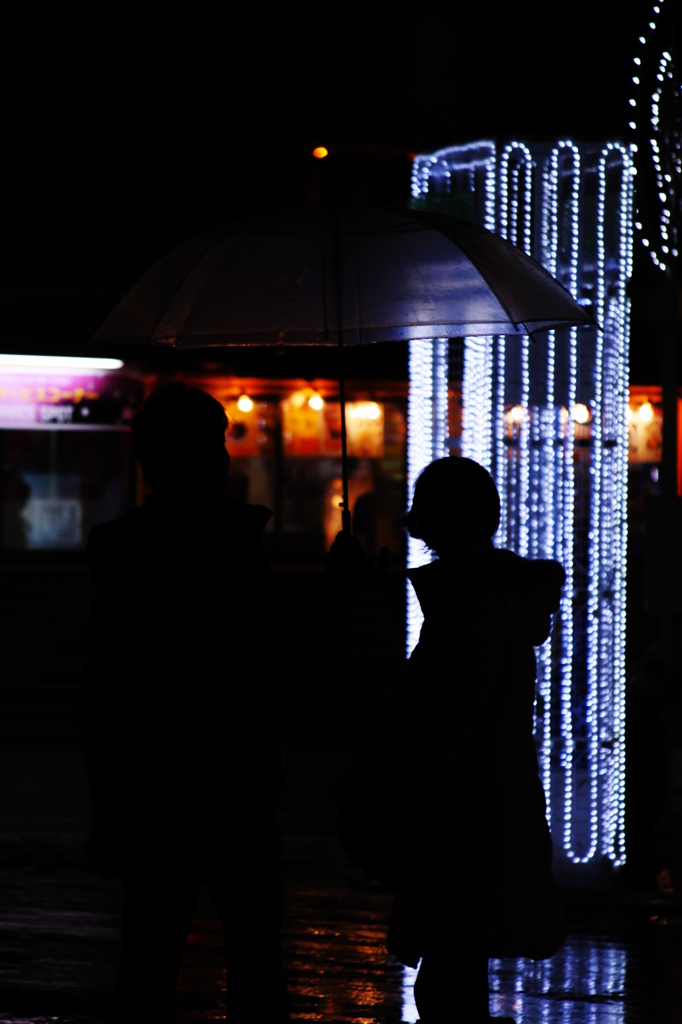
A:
(31, 400)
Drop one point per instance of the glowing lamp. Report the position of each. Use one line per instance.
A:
(516, 414)
(581, 414)
(366, 411)
(645, 412)
(320, 152)
(316, 402)
(298, 399)
(244, 403)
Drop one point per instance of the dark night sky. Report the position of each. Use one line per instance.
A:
(122, 139)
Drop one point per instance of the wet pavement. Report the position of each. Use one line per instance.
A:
(622, 964)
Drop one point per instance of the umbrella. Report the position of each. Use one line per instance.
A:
(340, 275)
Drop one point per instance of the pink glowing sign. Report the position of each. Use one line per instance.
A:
(54, 399)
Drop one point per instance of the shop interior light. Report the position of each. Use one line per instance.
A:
(316, 402)
(320, 152)
(30, 363)
(645, 412)
(581, 414)
(244, 403)
(365, 411)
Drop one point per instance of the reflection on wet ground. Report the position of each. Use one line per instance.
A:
(612, 970)
(59, 925)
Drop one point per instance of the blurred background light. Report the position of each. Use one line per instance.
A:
(365, 411)
(30, 363)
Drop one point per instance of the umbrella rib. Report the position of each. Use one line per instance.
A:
(462, 243)
(489, 283)
(194, 282)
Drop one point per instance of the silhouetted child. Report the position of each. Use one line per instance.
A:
(453, 814)
(184, 764)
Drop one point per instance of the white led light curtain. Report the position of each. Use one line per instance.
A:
(427, 428)
(548, 419)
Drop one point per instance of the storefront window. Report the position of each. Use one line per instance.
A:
(56, 484)
(65, 456)
(285, 451)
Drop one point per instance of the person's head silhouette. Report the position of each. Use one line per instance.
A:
(179, 440)
(455, 503)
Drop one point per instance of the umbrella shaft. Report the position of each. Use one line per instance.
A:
(345, 508)
(338, 271)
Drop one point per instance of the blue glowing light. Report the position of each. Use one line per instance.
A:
(427, 429)
(549, 422)
(658, 85)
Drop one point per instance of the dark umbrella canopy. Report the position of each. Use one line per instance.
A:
(295, 277)
(339, 275)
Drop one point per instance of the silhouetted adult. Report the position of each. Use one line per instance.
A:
(472, 871)
(474, 673)
(184, 764)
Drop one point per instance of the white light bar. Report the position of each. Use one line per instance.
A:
(31, 364)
